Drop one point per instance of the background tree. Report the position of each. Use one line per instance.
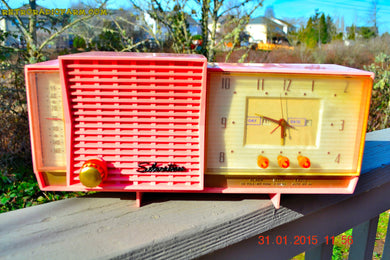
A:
(217, 9)
(351, 32)
(374, 16)
(172, 17)
(293, 36)
(323, 35)
(333, 33)
(88, 29)
(18, 188)
(35, 23)
(119, 32)
(308, 35)
(269, 14)
(319, 29)
(366, 32)
(169, 21)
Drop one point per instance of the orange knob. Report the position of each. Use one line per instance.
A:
(262, 162)
(303, 161)
(283, 161)
(93, 172)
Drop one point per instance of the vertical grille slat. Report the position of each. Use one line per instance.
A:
(128, 110)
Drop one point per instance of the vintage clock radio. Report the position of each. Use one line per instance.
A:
(285, 128)
(164, 122)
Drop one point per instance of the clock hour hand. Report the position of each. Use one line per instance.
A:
(282, 123)
(269, 119)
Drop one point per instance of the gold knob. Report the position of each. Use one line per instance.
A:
(93, 173)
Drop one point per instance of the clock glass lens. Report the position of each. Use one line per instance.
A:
(276, 121)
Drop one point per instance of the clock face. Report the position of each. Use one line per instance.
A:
(264, 124)
(281, 124)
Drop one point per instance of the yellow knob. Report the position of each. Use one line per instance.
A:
(93, 172)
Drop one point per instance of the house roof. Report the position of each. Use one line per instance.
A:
(277, 23)
(27, 6)
(260, 20)
(263, 20)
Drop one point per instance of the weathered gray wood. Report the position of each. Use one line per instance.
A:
(364, 239)
(330, 220)
(184, 226)
(386, 248)
(321, 252)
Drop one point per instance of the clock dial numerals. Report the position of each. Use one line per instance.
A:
(287, 84)
(225, 83)
(223, 122)
(260, 84)
(342, 122)
(338, 159)
(221, 157)
(346, 88)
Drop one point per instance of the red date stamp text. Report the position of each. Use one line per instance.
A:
(302, 240)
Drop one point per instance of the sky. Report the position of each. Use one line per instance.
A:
(358, 12)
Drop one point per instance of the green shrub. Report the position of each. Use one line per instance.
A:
(380, 101)
(19, 189)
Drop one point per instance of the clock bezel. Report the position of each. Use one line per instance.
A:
(286, 71)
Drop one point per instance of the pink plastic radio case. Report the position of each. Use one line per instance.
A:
(142, 116)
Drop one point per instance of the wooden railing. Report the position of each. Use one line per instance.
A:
(220, 226)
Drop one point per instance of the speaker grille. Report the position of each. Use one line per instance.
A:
(142, 114)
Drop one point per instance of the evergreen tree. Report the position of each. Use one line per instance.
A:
(352, 33)
(323, 30)
(310, 32)
(319, 29)
(367, 32)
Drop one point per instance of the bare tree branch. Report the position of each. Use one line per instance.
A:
(62, 30)
(20, 24)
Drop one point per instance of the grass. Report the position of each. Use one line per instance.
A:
(381, 234)
(19, 189)
(341, 247)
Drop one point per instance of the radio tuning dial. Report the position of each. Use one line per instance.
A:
(93, 173)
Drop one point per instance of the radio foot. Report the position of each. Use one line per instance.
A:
(275, 199)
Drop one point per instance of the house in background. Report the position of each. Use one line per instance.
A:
(9, 24)
(268, 30)
(259, 30)
(161, 31)
(45, 23)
